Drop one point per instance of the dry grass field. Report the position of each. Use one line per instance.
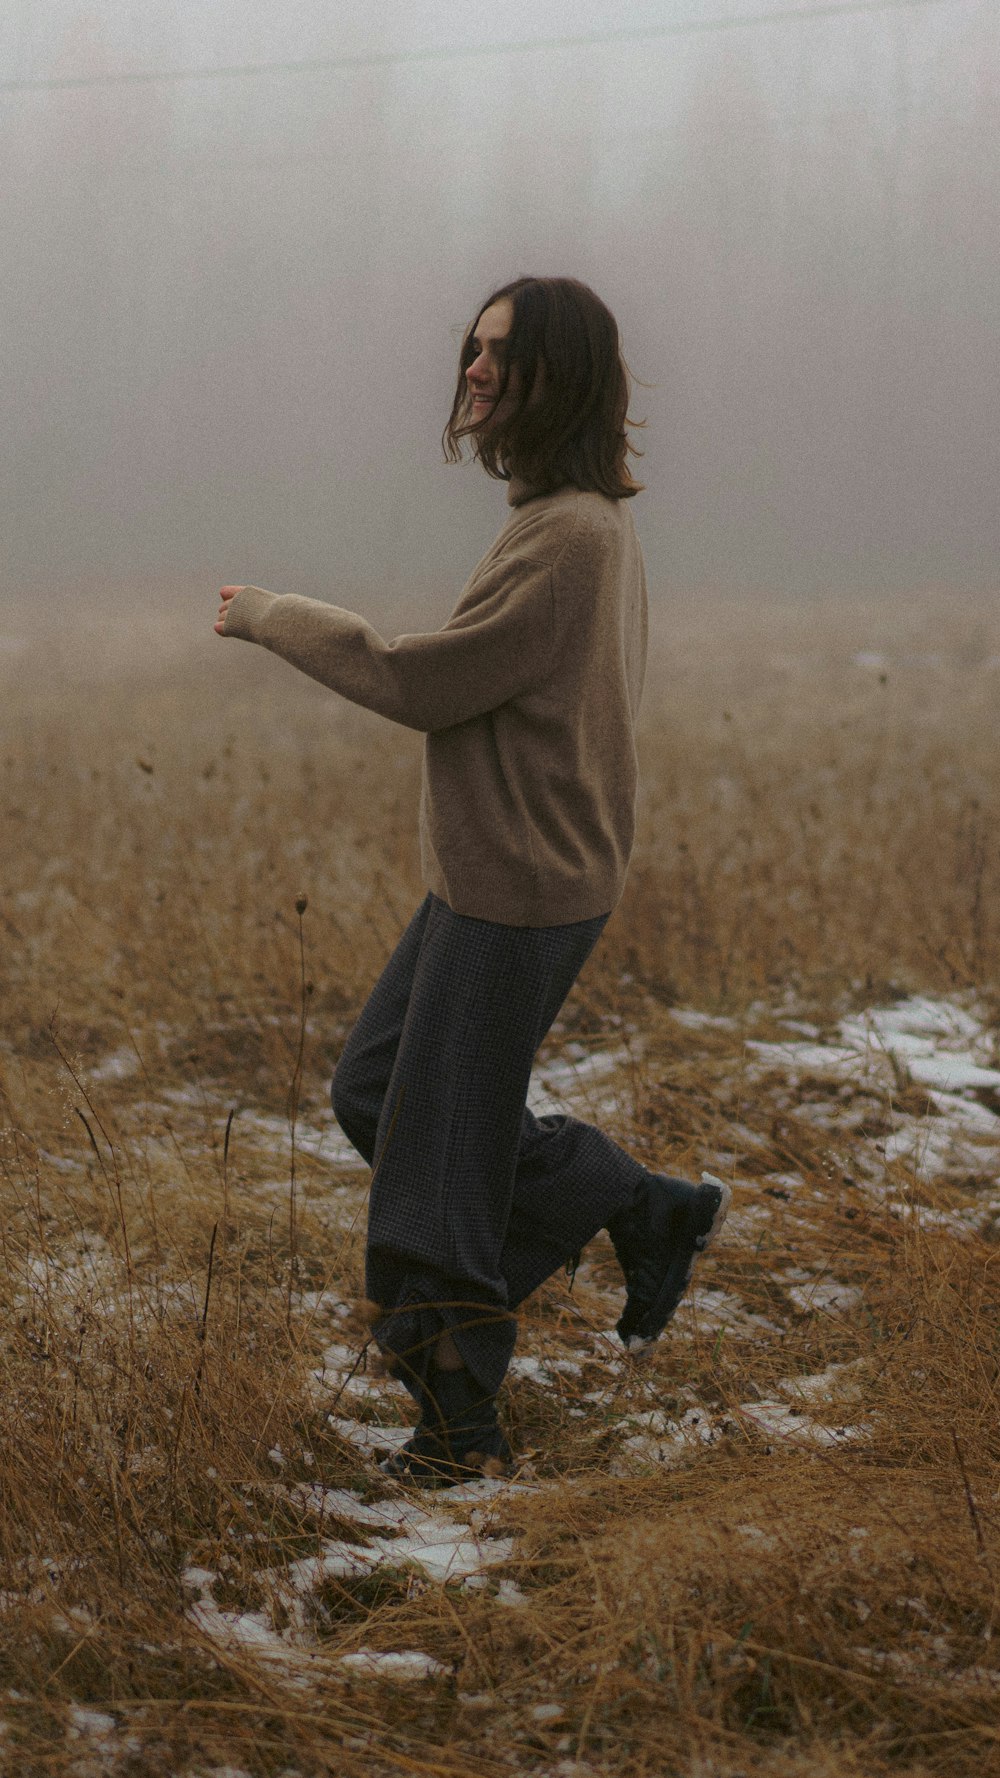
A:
(769, 1546)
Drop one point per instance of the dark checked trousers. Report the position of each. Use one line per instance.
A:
(474, 1201)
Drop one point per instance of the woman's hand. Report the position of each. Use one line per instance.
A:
(225, 594)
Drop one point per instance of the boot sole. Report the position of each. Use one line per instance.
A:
(425, 1473)
(431, 1468)
(668, 1298)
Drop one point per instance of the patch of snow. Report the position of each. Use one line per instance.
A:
(445, 1548)
(818, 1294)
(86, 1266)
(962, 1222)
(567, 1083)
(201, 1579)
(337, 1356)
(935, 1043)
(320, 1302)
(968, 1113)
(336, 1561)
(405, 1664)
(939, 1649)
(509, 1593)
(442, 1549)
(831, 1114)
(369, 1438)
(747, 1219)
(933, 1149)
(452, 1556)
(344, 1503)
(778, 1420)
(925, 1018)
(904, 1046)
(661, 1439)
(765, 1540)
(333, 1375)
(839, 1382)
(61, 1163)
(251, 1632)
(71, 1621)
(748, 1138)
(524, 1365)
(322, 1140)
(693, 1020)
(953, 1074)
(85, 1721)
(545, 1370)
(120, 1064)
(480, 1491)
(706, 1309)
(826, 1061)
(547, 1712)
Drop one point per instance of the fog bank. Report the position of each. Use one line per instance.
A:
(234, 298)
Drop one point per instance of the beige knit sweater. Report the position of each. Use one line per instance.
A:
(527, 696)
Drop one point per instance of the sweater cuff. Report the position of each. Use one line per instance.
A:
(247, 613)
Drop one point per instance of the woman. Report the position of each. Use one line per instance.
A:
(528, 699)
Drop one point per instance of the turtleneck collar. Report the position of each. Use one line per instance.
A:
(519, 490)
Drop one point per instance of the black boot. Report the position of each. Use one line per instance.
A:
(657, 1241)
(459, 1436)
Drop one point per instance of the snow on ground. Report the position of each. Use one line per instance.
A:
(789, 1425)
(585, 1081)
(120, 1064)
(706, 1311)
(921, 1075)
(693, 1020)
(658, 1438)
(940, 1046)
(838, 1382)
(368, 1663)
(815, 1293)
(431, 1542)
(321, 1138)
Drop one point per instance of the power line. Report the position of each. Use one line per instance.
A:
(782, 15)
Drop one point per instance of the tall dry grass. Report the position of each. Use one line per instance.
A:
(816, 832)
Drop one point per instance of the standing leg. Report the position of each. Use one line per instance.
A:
(481, 999)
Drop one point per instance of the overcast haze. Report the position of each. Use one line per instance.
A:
(232, 303)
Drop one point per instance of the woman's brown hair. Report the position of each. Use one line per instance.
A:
(569, 412)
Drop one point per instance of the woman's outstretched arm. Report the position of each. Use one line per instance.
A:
(497, 646)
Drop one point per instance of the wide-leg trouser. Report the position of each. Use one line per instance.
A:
(474, 1201)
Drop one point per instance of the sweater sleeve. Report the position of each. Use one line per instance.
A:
(496, 646)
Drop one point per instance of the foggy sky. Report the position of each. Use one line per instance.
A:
(232, 305)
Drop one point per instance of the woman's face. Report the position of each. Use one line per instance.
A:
(483, 375)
